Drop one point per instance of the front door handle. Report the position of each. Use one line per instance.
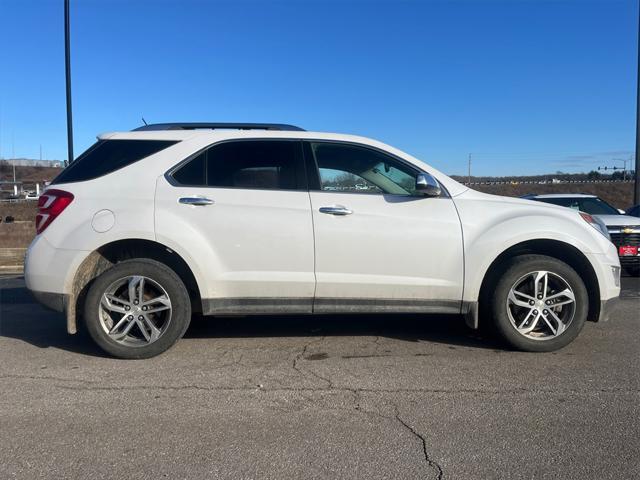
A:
(196, 201)
(336, 210)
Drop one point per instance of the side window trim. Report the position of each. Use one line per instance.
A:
(311, 167)
(304, 180)
(168, 175)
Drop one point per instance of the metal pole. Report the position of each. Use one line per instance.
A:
(636, 188)
(469, 172)
(13, 156)
(67, 63)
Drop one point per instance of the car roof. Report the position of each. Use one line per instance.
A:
(220, 134)
(217, 126)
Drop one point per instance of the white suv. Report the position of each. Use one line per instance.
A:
(148, 226)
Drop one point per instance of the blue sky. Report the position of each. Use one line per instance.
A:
(524, 86)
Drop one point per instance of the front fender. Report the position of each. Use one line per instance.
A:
(491, 225)
(481, 252)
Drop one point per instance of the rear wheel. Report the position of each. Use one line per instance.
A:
(539, 303)
(137, 309)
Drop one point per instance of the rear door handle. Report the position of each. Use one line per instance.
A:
(336, 210)
(196, 201)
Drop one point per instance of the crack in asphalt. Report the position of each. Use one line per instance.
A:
(427, 458)
(302, 372)
(396, 418)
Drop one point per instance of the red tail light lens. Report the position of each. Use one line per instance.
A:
(51, 204)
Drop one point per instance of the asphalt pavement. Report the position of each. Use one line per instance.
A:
(394, 397)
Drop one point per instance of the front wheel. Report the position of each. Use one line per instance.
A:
(137, 309)
(539, 303)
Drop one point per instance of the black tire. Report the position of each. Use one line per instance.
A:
(180, 314)
(633, 270)
(517, 268)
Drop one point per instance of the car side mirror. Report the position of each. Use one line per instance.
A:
(621, 212)
(427, 185)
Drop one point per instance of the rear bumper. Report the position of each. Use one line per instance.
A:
(49, 269)
(53, 301)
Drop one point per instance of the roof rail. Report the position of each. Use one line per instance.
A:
(216, 126)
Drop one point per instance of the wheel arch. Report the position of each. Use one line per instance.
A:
(109, 254)
(552, 248)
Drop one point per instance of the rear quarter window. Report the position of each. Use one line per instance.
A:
(107, 156)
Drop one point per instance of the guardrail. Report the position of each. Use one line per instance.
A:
(18, 200)
(546, 182)
(11, 256)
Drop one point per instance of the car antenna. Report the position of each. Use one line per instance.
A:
(144, 121)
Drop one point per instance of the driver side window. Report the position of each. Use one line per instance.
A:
(351, 168)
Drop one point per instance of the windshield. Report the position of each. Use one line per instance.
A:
(591, 205)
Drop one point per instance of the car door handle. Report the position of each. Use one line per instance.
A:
(336, 210)
(196, 201)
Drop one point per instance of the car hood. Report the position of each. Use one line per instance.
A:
(619, 220)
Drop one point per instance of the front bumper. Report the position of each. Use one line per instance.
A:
(606, 307)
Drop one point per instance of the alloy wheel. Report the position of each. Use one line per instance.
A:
(541, 305)
(135, 311)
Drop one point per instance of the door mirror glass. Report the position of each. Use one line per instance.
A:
(427, 185)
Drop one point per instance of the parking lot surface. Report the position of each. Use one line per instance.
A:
(318, 397)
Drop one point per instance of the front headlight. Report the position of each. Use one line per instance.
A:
(596, 223)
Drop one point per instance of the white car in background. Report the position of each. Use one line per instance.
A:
(624, 229)
(148, 226)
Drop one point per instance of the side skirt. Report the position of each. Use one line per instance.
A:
(256, 306)
(296, 306)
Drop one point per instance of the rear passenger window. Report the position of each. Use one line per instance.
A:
(257, 164)
(107, 156)
(263, 164)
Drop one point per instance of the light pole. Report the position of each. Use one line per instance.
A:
(13, 157)
(636, 188)
(67, 65)
(624, 170)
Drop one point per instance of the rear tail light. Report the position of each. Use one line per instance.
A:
(51, 204)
